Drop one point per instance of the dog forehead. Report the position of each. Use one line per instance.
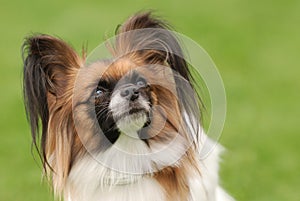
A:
(119, 69)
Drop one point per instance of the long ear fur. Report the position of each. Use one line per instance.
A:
(155, 44)
(50, 67)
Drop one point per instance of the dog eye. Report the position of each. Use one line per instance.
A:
(141, 83)
(99, 93)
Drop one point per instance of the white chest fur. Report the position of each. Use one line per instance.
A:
(87, 182)
(90, 180)
(95, 179)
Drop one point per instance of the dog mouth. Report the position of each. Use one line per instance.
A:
(130, 104)
(137, 110)
(135, 107)
(133, 119)
(133, 111)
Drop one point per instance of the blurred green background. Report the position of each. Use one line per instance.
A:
(254, 43)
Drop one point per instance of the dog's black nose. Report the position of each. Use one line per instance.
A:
(130, 93)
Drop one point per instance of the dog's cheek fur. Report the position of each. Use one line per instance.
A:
(50, 68)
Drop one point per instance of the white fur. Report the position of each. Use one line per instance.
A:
(104, 178)
(206, 187)
(130, 124)
(90, 180)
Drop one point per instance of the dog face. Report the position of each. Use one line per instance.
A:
(123, 100)
(128, 98)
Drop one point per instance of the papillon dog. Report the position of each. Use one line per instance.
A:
(122, 128)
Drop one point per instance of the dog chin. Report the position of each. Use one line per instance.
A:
(130, 123)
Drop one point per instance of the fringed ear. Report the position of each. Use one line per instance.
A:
(48, 61)
(149, 39)
(50, 67)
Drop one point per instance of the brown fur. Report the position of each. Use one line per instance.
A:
(50, 68)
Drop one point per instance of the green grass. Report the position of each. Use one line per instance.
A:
(255, 45)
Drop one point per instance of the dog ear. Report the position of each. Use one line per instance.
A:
(150, 40)
(49, 60)
(50, 66)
